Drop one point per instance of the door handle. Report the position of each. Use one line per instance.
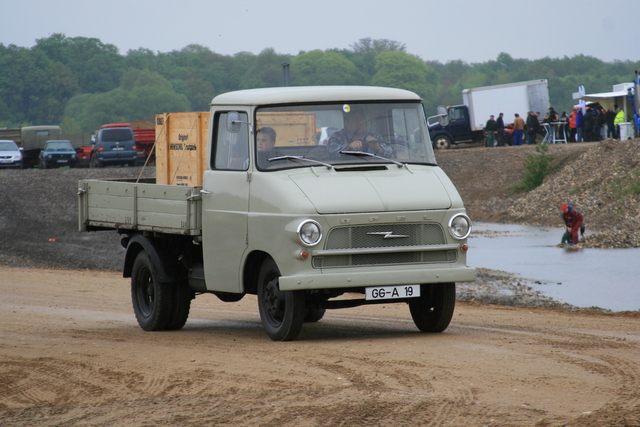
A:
(205, 192)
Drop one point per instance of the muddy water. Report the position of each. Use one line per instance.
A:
(604, 278)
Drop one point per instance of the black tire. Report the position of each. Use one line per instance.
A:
(152, 301)
(95, 162)
(182, 296)
(441, 142)
(433, 310)
(282, 312)
(314, 314)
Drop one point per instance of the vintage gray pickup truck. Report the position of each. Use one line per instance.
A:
(361, 215)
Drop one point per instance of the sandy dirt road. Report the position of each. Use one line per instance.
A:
(72, 354)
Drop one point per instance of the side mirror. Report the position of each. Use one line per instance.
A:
(234, 122)
(443, 117)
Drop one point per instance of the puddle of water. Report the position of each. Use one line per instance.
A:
(583, 277)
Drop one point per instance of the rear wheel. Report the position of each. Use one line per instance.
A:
(282, 312)
(95, 162)
(182, 296)
(433, 310)
(152, 301)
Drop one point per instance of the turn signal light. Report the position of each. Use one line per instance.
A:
(304, 254)
(464, 247)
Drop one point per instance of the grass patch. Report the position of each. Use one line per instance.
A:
(537, 166)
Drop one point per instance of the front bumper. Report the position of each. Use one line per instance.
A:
(376, 277)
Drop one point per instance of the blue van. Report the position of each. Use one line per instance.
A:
(114, 146)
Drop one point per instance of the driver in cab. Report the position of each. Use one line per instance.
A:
(355, 137)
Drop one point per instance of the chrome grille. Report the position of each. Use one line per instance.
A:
(385, 236)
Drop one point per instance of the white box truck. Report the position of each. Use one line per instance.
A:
(467, 121)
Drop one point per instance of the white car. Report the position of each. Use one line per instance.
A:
(10, 154)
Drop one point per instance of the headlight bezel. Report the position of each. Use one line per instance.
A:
(453, 228)
(303, 234)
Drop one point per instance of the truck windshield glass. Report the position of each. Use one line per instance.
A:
(324, 132)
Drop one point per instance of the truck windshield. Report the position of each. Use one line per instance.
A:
(340, 133)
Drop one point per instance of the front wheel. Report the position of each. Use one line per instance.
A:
(441, 142)
(433, 310)
(282, 312)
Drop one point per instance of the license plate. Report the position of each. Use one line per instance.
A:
(5, 161)
(392, 292)
(118, 148)
(62, 161)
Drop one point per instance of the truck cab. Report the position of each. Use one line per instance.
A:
(458, 130)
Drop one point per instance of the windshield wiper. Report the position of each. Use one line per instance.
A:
(364, 153)
(327, 165)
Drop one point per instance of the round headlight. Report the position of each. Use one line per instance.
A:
(460, 226)
(309, 232)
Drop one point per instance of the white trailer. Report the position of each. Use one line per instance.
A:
(510, 98)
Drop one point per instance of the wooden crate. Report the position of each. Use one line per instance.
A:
(181, 147)
(292, 128)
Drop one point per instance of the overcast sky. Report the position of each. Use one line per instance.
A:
(445, 30)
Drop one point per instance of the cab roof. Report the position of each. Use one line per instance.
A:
(296, 94)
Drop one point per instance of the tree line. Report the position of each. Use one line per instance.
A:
(81, 83)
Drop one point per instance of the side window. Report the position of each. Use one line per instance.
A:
(231, 149)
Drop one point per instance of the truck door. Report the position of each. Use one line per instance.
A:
(459, 125)
(225, 205)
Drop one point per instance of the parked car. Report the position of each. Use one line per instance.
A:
(10, 154)
(114, 146)
(56, 153)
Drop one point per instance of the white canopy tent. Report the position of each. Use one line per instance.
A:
(609, 99)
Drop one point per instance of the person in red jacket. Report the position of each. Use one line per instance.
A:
(573, 221)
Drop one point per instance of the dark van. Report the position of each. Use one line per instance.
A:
(114, 146)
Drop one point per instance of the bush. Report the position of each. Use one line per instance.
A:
(537, 167)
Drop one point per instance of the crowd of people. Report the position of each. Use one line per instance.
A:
(595, 124)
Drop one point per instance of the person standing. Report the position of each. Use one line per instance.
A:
(619, 119)
(573, 221)
(518, 129)
(600, 123)
(587, 125)
(500, 129)
(532, 127)
(491, 129)
(579, 124)
(609, 118)
(572, 125)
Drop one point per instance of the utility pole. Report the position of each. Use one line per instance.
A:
(285, 72)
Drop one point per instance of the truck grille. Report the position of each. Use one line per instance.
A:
(385, 236)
